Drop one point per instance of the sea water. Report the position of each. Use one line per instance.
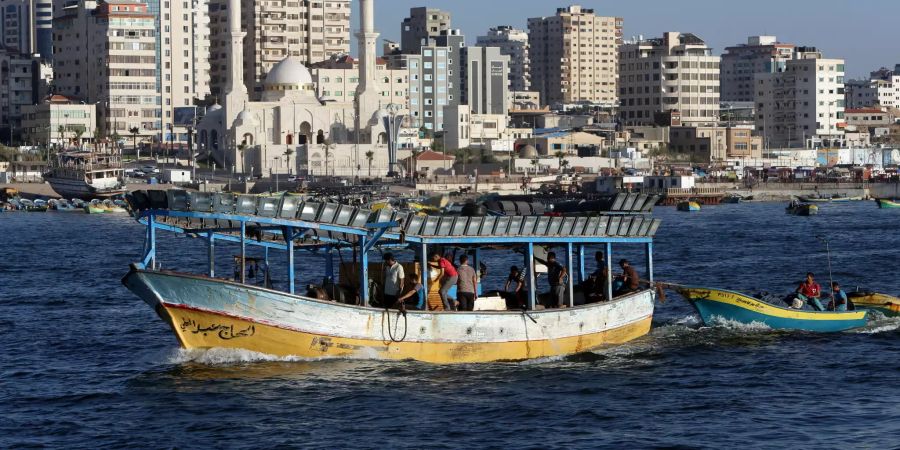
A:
(86, 364)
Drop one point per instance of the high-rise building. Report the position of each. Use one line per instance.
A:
(804, 105)
(741, 64)
(183, 66)
(429, 85)
(19, 87)
(513, 43)
(676, 73)
(310, 31)
(27, 26)
(421, 25)
(105, 54)
(574, 56)
(485, 80)
(881, 89)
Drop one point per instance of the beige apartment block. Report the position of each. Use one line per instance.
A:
(804, 105)
(105, 54)
(676, 73)
(184, 60)
(574, 56)
(337, 79)
(312, 31)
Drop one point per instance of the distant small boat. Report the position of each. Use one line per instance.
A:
(733, 198)
(885, 304)
(717, 304)
(802, 209)
(689, 206)
(885, 203)
(836, 198)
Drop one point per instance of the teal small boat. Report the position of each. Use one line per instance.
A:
(718, 304)
(885, 203)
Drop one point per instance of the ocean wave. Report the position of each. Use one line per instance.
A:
(227, 356)
(880, 324)
(721, 322)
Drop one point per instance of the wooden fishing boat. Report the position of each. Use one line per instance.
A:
(802, 209)
(885, 203)
(885, 304)
(715, 305)
(206, 311)
(688, 206)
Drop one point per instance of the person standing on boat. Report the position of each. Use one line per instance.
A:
(809, 291)
(517, 279)
(466, 286)
(393, 281)
(556, 275)
(449, 276)
(598, 279)
(839, 300)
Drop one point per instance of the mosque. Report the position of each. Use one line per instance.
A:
(291, 130)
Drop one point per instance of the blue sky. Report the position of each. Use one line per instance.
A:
(864, 32)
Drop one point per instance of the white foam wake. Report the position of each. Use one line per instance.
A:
(721, 322)
(225, 356)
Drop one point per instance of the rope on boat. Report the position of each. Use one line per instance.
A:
(387, 314)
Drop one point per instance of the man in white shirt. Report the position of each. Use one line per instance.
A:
(393, 281)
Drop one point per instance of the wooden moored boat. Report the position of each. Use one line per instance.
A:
(205, 311)
(718, 304)
(885, 304)
(885, 203)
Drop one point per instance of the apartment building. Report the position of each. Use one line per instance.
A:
(183, 63)
(20, 85)
(58, 120)
(574, 56)
(716, 143)
(312, 31)
(421, 25)
(106, 54)
(26, 26)
(741, 64)
(881, 89)
(675, 73)
(512, 42)
(430, 85)
(337, 79)
(485, 80)
(804, 105)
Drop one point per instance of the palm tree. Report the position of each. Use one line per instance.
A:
(62, 134)
(78, 132)
(98, 136)
(563, 164)
(534, 163)
(287, 154)
(241, 147)
(370, 155)
(559, 156)
(134, 134)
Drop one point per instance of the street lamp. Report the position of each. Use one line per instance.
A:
(392, 120)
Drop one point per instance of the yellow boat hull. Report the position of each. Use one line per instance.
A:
(886, 304)
(197, 329)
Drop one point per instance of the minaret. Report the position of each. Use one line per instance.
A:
(235, 90)
(368, 93)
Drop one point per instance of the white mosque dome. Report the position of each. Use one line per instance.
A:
(245, 118)
(289, 72)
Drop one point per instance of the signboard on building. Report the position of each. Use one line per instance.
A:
(185, 116)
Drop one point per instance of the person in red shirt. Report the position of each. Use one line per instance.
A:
(810, 292)
(449, 277)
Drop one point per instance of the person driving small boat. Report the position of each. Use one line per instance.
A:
(809, 291)
(839, 300)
